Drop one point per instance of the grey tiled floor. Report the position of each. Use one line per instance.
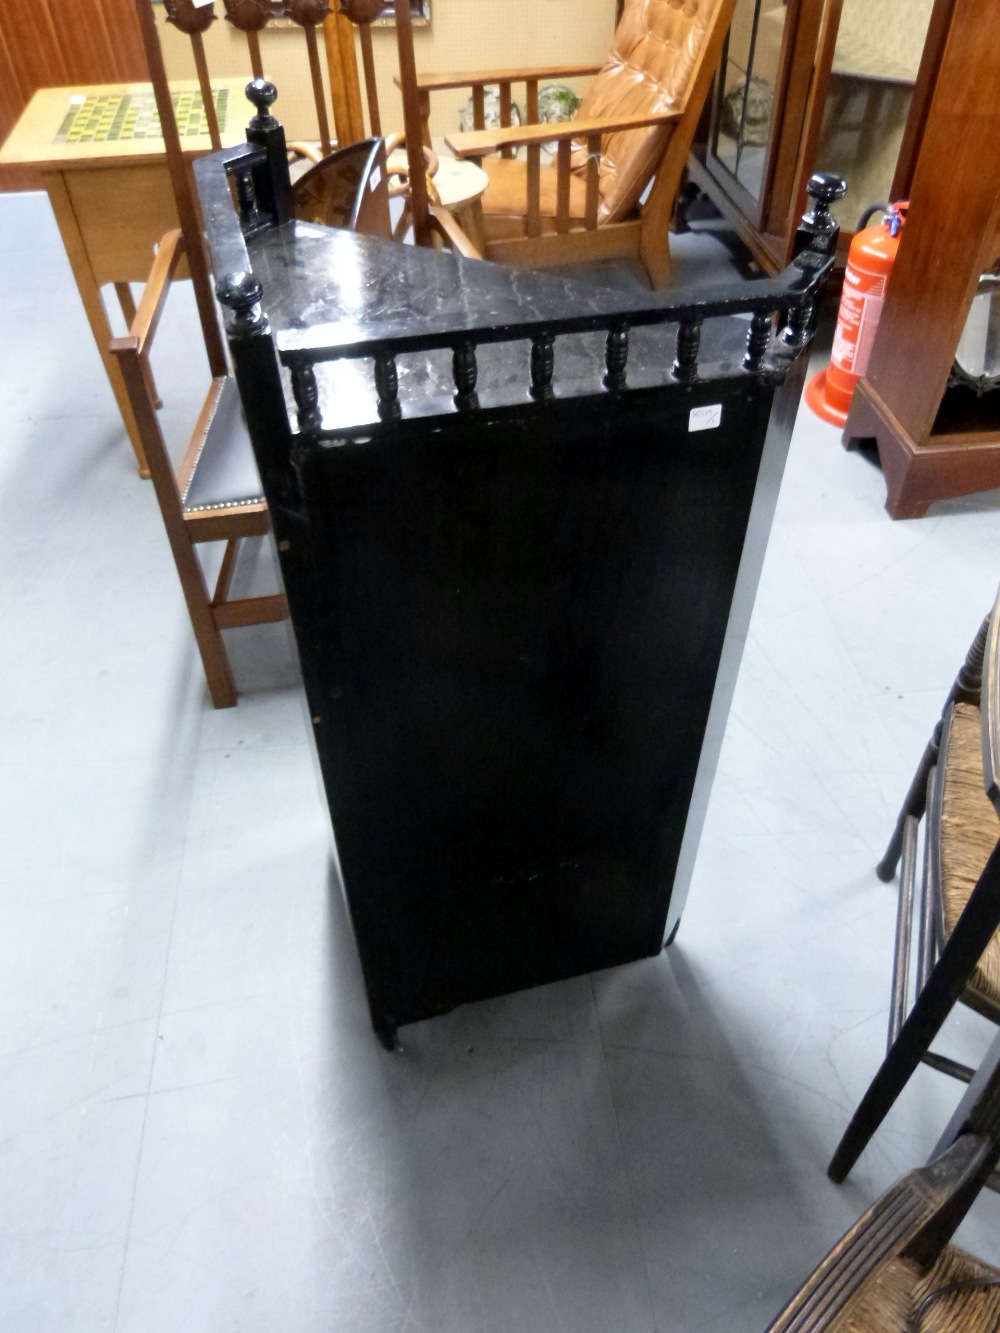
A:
(198, 1131)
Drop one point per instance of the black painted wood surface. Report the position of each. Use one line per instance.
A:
(514, 634)
(510, 561)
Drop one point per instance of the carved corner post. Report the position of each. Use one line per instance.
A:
(188, 211)
(255, 365)
(272, 183)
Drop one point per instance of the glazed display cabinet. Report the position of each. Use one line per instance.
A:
(841, 85)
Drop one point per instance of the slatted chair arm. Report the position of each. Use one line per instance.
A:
(480, 143)
(169, 254)
(452, 234)
(429, 83)
(887, 1231)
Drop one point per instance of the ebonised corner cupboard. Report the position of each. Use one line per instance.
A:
(520, 522)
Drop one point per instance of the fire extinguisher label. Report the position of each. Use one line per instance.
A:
(857, 323)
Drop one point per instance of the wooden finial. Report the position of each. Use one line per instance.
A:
(307, 13)
(248, 15)
(189, 17)
(361, 11)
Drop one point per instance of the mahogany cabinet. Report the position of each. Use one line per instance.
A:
(937, 439)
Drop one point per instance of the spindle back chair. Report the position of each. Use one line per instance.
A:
(953, 906)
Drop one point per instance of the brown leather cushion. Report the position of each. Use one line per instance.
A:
(652, 65)
(507, 192)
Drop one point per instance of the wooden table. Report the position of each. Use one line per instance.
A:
(110, 187)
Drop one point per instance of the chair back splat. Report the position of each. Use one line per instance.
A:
(251, 17)
(520, 521)
(341, 87)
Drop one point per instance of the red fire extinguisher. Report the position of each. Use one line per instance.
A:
(869, 263)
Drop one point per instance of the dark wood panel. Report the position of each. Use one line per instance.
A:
(49, 43)
(952, 203)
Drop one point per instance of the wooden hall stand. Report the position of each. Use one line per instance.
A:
(112, 197)
(936, 442)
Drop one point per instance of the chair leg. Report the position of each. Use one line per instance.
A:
(214, 658)
(965, 946)
(966, 689)
(654, 233)
(913, 806)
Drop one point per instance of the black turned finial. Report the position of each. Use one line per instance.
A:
(240, 293)
(819, 229)
(263, 95)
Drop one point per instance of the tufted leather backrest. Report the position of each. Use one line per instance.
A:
(652, 66)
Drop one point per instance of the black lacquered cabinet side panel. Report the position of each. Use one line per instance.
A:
(510, 640)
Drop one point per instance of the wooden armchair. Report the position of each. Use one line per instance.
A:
(895, 1271)
(634, 126)
(213, 496)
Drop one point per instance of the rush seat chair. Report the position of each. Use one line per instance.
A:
(895, 1271)
(953, 906)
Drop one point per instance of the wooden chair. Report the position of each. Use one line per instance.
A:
(213, 496)
(895, 1271)
(215, 493)
(347, 188)
(954, 905)
(635, 126)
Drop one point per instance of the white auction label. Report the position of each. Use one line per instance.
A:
(705, 418)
